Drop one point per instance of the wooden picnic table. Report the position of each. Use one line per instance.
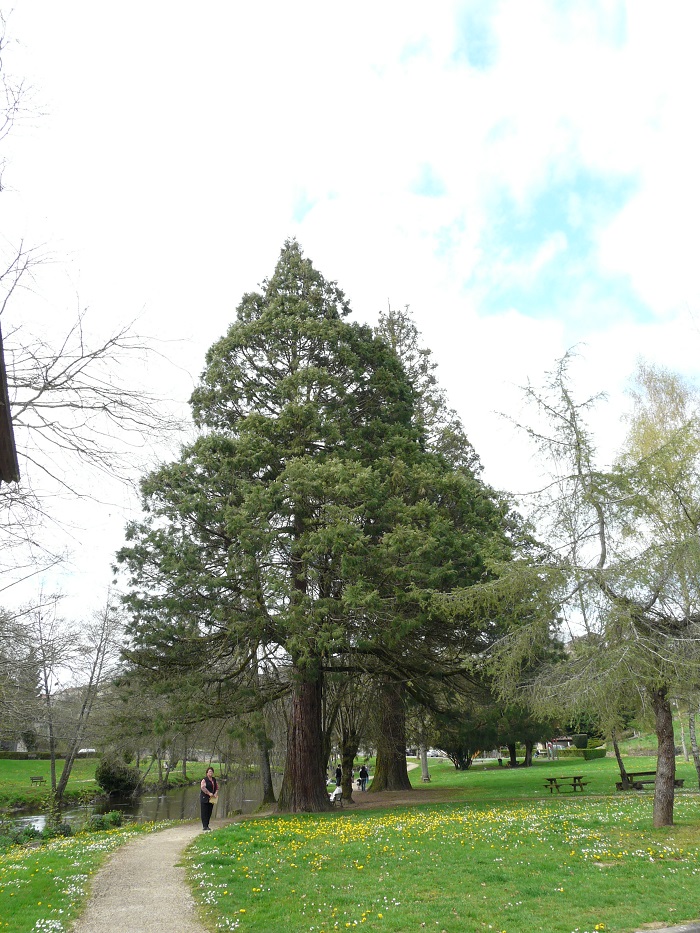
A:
(574, 781)
(637, 780)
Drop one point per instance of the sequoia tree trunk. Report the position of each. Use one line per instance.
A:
(666, 760)
(390, 771)
(265, 772)
(304, 784)
(349, 746)
(513, 762)
(528, 754)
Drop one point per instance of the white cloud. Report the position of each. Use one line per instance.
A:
(180, 140)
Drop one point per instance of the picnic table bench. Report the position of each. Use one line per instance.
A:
(574, 781)
(38, 779)
(637, 780)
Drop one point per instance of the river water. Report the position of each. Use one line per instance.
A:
(181, 803)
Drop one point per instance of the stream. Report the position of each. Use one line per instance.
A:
(180, 803)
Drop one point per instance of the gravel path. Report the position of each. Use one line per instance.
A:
(141, 889)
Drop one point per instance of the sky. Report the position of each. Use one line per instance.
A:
(522, 175)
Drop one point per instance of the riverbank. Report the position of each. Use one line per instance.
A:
(20, 795)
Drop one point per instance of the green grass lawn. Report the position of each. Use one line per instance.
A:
(45, 888)
(16, 790)
(503, 855)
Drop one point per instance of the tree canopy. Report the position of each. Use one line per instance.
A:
(306, 524)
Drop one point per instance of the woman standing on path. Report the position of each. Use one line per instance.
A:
(209, 790)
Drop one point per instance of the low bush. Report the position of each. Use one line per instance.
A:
(13, 835)
(58, 829)
(116, 777)
(591, 753)
(99, 822)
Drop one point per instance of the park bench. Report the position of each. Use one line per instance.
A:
(637, 779)
(574, 781)
(336, 798)
(37, 780)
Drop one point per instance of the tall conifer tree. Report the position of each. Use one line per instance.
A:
(306, 522)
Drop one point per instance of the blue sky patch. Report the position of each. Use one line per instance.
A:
(476, 42)
(428, 183)
(302, 205)
(541, 257)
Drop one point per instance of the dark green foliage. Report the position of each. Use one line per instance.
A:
(116, 777)
(13, 835)
(588, 753)
(306, 522)
(580, 740)
(57, 829)
(98, 822)
(571, 752)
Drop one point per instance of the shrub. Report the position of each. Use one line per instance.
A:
(580, 740)
(95, 823)
(590, 753)
(13, 835)
(99, 822)
(116, 777)
(570, 753)
(58, 829)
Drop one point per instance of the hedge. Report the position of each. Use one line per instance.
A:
(588, 753)
(25, 756)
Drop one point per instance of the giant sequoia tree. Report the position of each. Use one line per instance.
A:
(306, 523)
(255, 536)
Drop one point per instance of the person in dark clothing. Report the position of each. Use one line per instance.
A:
(364, 774)
(338, 776)
(209, 788)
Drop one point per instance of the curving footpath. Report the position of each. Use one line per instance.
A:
(142, 889)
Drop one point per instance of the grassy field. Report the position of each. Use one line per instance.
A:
(503, 855)
(45, 888)
(16, 790)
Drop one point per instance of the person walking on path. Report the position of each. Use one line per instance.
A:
(338, 776)
(207, 797)
(364, 774)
